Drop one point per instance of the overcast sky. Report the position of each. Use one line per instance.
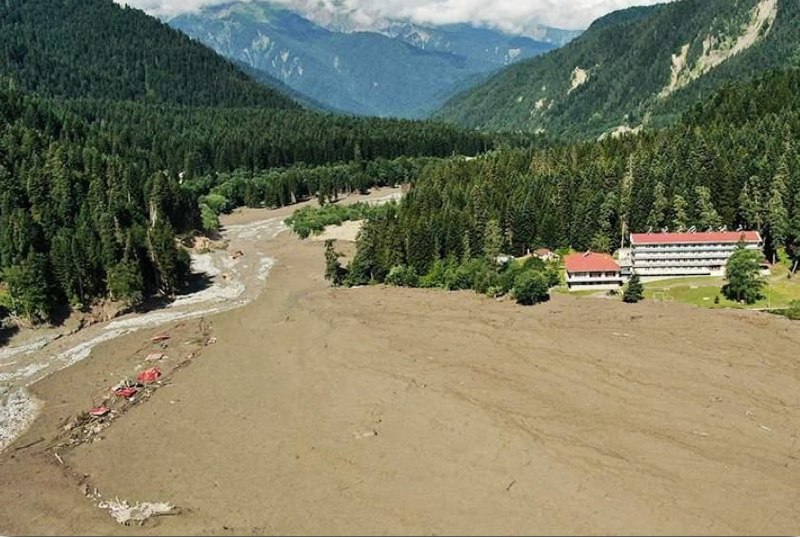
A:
(506, 14)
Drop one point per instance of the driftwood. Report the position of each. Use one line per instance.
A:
(30, 444)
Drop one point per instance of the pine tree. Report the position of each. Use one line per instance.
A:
(493, 242)
(172, 263)
(658, 214)
(31, 291)
(126, 284)
(793, 236)
(750, 206)
(334, 272)
(777, 213)
(466, 248)
(634, 292)
(680, 217)
(707, 216)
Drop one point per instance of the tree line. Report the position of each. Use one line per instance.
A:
(732, 162)
(93, 194)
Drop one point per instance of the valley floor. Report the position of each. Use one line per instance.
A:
(381, 410)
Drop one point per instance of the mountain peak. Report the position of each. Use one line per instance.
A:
(399, 68)
(636, 67)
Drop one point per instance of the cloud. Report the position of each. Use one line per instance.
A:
(510, 15)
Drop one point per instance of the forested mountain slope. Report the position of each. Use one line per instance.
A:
(404, 71)
(90, 197)
(732, 161)
(639, 67)
(99, 50)
(107, 119)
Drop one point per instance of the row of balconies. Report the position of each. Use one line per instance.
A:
(681, 263)
(682, 271)
(689, 247)
(682, 255)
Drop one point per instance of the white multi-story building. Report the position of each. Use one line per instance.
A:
(687, 254)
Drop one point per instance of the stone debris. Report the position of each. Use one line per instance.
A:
(139, 513)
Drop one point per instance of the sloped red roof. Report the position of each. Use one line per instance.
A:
(713, 237)
(591, 262)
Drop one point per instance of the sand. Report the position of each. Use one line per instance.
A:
(381, 410)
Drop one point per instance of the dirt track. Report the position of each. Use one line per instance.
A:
(381, 410)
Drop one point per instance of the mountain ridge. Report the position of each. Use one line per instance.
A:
(404, 70)
(634, 69)
(56, 48)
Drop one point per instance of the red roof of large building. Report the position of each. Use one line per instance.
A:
(590, 262)
(712, 237)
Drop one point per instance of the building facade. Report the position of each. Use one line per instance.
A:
(591, 270)
(687, 254)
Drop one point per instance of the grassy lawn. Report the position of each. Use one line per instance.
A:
(564, 290)
(702, 291)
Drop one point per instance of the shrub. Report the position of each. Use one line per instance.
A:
(435, 276)
(403, 276)
(531, 287)
(794, 311)
(209, 219)
(217, 203)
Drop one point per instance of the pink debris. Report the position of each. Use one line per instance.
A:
(99, 412)
(149, 375)
(126, 392)
(160, 337)
(155, 357)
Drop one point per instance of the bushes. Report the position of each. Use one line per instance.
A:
(529, 281)
(311, 220)
(794, 311)
(531, 287)
(209, 219)
(403, 276)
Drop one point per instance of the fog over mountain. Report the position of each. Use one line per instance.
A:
(508, 15)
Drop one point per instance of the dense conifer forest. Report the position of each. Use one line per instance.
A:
(94, 192)
(95, 49)
(733, 161)
(119, 136)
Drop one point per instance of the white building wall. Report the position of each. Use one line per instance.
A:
(650, 260)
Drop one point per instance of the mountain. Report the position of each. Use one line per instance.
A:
(732, 160)
(97, 49)
(483, 48)
(636, 68)
(113, 128)
(346, 16)
(405, 70)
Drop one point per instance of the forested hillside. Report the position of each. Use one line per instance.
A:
(119, 134)
(95, 49)
(90, 200)
(640, 67)
(733, 161)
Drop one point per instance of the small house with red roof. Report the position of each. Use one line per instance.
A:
(687, 254)
(591, 270)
